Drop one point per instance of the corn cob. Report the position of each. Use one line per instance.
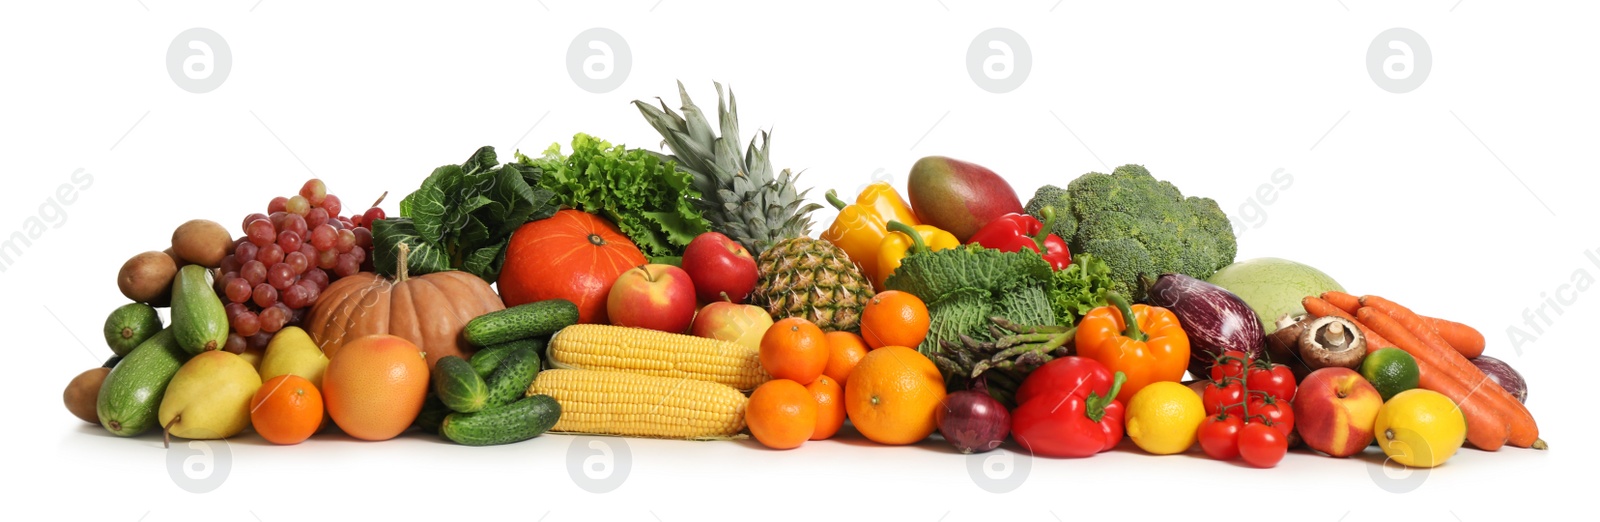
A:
(660, 354)
(632, 405)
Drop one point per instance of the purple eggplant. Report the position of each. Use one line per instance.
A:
(1504, 375)
(1215, 319)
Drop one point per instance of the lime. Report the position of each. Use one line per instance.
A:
(1420, 428)
(1390, 370)
(1164, 417)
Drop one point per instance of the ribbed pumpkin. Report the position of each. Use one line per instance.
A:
(428, 310)
(573, 255)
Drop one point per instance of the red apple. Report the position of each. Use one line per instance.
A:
(1335, 410)
(738, 323)
(658, 297)
(719, 265)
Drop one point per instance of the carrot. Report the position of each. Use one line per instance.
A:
(1411, 321)
(1465, 339)
(1452, 365)
(1487, 427)
(1344, 301)
(1322, 308)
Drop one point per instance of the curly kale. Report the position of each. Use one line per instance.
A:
(1140, 226)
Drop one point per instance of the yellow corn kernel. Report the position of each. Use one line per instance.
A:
(633, 405)
(661, 354)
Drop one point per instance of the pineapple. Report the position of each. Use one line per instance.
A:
(800, 276)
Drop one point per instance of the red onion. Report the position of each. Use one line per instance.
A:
(972, 421)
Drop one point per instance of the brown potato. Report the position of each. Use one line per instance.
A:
(175, 259)
(147, 278)
(202, 242)
(82, 393)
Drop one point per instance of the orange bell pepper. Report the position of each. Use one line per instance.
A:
(860, 228)
(1144, 342)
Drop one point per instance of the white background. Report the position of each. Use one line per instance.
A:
(1470, 198)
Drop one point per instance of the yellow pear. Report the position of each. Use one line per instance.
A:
(292, 352)
(209, 397)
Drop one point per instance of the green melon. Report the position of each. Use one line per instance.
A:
(1273, 287)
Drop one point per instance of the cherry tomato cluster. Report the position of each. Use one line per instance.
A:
(1249, 412)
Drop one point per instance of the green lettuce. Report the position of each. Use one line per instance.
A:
(647, 197)
(1079, 288)
(462, 217)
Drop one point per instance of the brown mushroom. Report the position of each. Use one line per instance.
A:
(1332, 341)
(1283, 344)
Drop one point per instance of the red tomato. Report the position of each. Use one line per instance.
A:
(1231, 364)
(1229, 397)
(1277, 380)
(1261, 445)
(1276, 411)
(1219, 436)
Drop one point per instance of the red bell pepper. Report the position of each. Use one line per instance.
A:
(1014, 232)
(1068, 408)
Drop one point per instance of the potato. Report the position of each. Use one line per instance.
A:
(202, 242)
(82, 393)
(175, 259)
(147, 278)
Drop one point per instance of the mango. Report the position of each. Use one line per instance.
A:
(957, 196)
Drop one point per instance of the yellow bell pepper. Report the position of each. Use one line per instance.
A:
(900, 243)
(862, 226)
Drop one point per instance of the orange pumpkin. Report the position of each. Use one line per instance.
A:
(573, 255)
(428, 310)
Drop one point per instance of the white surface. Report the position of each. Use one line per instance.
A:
(1414, 196)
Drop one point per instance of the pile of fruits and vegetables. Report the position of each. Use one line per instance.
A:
(679, 294)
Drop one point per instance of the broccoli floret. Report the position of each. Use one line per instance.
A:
(1051, 195)
(1141, 226)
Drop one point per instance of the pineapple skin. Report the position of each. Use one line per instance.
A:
(812, 279)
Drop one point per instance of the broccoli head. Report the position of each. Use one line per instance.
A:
(1141, 226)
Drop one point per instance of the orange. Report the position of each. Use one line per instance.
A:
(287, 409)
(829, 395)
(374, 386)
(892, 395)
(781, 414)
(794, 349)
(894, 318)
(845, 349)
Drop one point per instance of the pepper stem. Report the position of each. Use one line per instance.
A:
(1095, 405)
(1132, 331)
(917, 246)
(833, 199)
(1049, 214)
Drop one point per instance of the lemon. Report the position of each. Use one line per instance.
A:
(1420, 428)
(1164, 417)
(1390, 370)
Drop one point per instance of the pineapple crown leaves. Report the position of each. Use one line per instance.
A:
(744, 186)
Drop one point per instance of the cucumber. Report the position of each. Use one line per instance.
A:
(131, 396)
(198, 320)
(458, 386)
(511, 379)
(515, 422)
(521, 322)
(432, 414)
(112, 362)
(486, 360)
(129, 325)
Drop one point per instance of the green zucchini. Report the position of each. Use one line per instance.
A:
(521, 322)
(129, 326)
(458, 386)
(131, 396)
(505, 424)
(511, 379)
(199, 320)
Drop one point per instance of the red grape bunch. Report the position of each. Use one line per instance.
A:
(285, 260)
